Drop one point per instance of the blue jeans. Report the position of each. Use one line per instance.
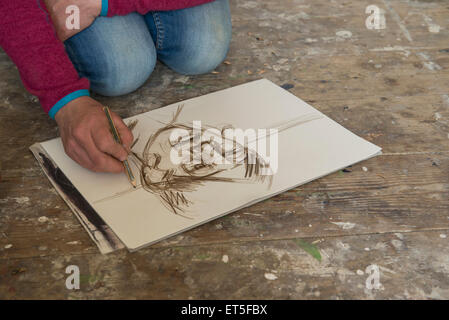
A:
(118, 54)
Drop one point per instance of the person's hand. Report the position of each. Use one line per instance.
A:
(86, 137)
(88, 11)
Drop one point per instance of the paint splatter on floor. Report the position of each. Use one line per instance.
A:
(270, 276)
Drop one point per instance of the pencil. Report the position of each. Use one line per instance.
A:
(117, 139)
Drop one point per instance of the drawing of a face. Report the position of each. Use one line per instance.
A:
(155, 176)
(153, 160)
(168, 180)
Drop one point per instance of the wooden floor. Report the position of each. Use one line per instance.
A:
(388, 86)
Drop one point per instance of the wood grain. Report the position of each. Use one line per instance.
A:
(388, 86)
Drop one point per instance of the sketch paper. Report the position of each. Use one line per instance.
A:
(174, 197)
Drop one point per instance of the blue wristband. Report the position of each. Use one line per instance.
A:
(104, 8)
(61, 103)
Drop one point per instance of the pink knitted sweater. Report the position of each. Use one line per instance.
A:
(28, 37)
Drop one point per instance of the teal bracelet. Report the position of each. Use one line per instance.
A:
(104, 8)
(71, 96)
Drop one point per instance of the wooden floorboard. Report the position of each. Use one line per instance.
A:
(199, 272)
(388, 86)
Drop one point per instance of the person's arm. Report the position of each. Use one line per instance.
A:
(28, 37)
(89, 10)
(123, 7)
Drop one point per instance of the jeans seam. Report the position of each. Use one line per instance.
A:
(73, 58)
(159, 30)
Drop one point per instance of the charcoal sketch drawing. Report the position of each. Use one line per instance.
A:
(170, 182)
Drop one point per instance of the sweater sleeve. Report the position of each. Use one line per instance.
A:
(123, 7)
(28, 37)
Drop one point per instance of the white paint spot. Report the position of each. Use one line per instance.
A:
(42, 219)
(343, 273)
(278, 67)
(396, 243)
(282, 61)
(225, 258)
(166, 80)
(21, 200)
(345, 225)
(73, 242)
(294, 17)
(248, 4)
(380, 246)
(296, 230)
(182, 79)
(270, 276)
(310, 40)
(431, 26)
(344, 246)
(365, 169)
(310, 226)
(252, 214)
(360, 272)
(399, 235)
(428, 63)
(8, 246)
(442, 236)
(434, 28)
(344, 34)
(367, 249)
(405, 50)
(438, 116)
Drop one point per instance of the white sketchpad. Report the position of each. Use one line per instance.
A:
(309, 146)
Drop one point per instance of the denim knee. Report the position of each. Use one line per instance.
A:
(194, 40)
(116, 54)
(127, 72)
(205, 54)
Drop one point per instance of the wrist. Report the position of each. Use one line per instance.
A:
(70, 107)
(66, 100)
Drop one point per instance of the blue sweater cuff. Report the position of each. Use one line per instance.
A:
(61, 103)
(104, 8)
